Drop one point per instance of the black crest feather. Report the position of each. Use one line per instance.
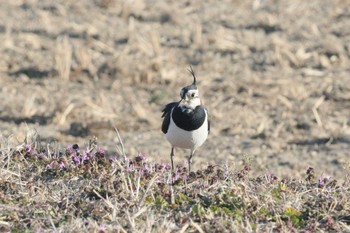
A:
(194, 76)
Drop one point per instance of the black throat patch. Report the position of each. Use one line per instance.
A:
(188, 119)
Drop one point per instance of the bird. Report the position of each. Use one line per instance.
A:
(186, 123)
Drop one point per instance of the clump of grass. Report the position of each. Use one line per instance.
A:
(88, 189)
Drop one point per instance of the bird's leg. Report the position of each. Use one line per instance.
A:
(190, 161)
(172, 197)
(172, 160)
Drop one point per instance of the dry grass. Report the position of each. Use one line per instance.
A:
(273, 74)
(63, 58)
(43, 188)
(278, 70)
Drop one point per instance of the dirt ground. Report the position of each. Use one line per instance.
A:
(273, 74)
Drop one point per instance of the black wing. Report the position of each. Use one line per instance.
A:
(166, 114)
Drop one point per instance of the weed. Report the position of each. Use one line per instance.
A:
(86, 189)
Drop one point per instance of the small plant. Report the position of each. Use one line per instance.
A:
(88, 189)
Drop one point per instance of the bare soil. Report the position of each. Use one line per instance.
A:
(273, 74)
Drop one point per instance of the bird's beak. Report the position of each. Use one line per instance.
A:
(185, 99)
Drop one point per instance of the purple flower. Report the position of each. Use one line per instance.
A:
(184, 177)
(69, 150)
(323, 180)
(102, 227)
(101, 150)
(143, 156)
(86, 152)
(28, 148)
(30, 153)
(130, 168)
(270, 177)
(166, 166)
(86, 222)
(75, 147)
(86, 155)
(113, 157)
(76, 160)
(163, 166)
(142, 171)
(49, 166)
(309, 170)
(41, 156)
(62, 165)
(147, 167)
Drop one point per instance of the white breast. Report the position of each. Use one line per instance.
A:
(187, 139)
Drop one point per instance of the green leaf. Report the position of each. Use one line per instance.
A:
(292, 212)
(198, 209)
(294, 215)
(214, 208)
(149, 199)
(182, 197)
(161, 203)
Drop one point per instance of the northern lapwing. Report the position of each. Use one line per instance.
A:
(186, 123)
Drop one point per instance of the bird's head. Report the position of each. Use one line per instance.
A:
(190, 94)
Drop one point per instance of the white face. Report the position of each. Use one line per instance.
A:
(192, 94)
(191, 98)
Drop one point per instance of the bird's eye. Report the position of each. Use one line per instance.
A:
(192, 95)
